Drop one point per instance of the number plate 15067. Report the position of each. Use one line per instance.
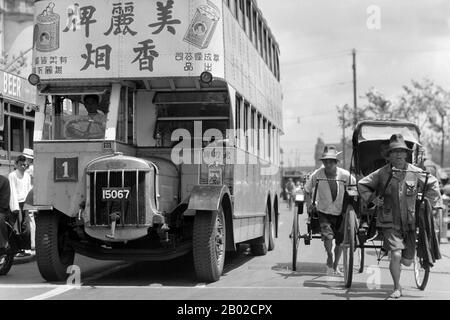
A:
(113, 194)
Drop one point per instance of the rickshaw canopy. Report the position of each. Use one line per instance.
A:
(370, 130)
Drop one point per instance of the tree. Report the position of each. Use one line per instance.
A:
(14, 64)
(377, 107)
(423, 103)
(426, 104)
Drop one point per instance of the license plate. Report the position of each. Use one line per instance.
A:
(114, 194)
(299, 197)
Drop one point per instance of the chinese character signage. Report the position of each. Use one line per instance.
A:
(123, 39)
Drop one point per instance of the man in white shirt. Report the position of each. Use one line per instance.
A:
(20, 183)
(329, 203)
(29, 155)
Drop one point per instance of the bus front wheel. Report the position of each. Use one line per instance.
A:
(209, 241)
(53, 254)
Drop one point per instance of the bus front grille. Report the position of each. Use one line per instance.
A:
(131, 211)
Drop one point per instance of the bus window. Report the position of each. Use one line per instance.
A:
(77, 117)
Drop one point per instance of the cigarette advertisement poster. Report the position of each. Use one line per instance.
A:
(126, 39)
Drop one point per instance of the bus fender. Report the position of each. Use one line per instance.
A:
(206, 198)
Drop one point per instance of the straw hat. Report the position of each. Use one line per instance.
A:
(397, 142)
(330, 152)
(28, 153)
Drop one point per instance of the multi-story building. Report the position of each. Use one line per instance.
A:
(17, 96)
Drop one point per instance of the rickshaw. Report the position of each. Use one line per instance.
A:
(358, 226)
(367, 139)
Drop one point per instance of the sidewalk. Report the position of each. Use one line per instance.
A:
(443, 265)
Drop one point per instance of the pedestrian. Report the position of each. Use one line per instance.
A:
(329, 203)
(298, 187)
(20, 184)
(5, 193)
(396, 206)
(289, 189)
(29, 156)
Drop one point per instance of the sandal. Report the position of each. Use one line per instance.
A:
(338, 272)
(397, 293)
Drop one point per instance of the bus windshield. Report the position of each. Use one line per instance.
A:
(76, 117)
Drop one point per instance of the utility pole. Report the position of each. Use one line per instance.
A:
(442, 139)
(354, 89)
(343, 141)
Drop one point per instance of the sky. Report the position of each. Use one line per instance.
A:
(395, 42)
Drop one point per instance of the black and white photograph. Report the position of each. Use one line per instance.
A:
(225, 158)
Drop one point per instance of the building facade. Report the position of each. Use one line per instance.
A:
(17, 96)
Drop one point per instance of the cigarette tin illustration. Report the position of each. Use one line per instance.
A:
(201, 29)
(46, 30)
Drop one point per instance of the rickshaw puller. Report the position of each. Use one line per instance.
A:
(330, 199)
(396, 209)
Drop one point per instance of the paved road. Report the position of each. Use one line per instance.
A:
(245, 277)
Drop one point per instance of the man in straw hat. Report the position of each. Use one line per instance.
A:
(29, 155)
(395, 193)
(329, 203)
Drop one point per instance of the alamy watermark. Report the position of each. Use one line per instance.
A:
(74, 278)
(374, 20)
(213, 148)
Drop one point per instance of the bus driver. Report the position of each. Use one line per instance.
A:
(91, 127)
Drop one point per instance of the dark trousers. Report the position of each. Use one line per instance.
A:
(23, 226)
(3, 229)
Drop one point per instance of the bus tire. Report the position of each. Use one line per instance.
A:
(53, 255)
(271, 235)
(209, 242)
(260, 246)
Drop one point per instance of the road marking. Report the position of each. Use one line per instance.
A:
(28, 286)
(60, 289)
(52, 293)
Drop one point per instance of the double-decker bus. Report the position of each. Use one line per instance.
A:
(157, 132)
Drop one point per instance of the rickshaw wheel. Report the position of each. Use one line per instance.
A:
(348, 245)
(295, 241)
(421, 273)
(421, 268)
